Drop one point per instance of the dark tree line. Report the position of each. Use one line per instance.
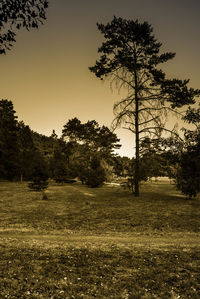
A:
(18, 153)
(84, 151)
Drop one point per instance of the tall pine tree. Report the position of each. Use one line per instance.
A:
(130, 57)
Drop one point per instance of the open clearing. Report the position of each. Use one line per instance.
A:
(98, 243)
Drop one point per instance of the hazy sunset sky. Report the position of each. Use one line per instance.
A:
(46, 73)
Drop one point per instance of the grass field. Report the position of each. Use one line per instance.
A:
(98, 243)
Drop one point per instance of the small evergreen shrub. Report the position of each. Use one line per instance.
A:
(39, 177)
(95, 178)
(38, 184)
(95, 175)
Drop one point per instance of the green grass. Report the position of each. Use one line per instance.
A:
(98, 243)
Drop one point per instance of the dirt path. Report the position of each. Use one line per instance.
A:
(185, 241)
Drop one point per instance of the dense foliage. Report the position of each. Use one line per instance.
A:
(91, 150)
(188, 171)
(188, 174)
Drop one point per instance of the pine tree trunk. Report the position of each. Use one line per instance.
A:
(21, 178)
(136, 150)
(137, 157)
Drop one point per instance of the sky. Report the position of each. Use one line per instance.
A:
(46, 73)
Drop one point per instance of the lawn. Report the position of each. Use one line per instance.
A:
(99, 243)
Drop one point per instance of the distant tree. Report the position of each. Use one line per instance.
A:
(155, 160)
(130, 174)
(130, 57)
(9, 151)
(54, 135)
(62, 172)
(89, 141)
(72, 130)
(44, 144)
(153, 165)
(61, 168)
(39, 175)
(97, 138)
(121, 165)
(15, 14)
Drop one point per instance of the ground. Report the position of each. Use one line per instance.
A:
(99, 243)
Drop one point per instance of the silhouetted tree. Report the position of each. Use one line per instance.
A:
(89, 141)
(130, 57)
(54, 135)
(9, 152)
(90, 134)
(15, 14)
(26, 149)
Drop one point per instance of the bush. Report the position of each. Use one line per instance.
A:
(95, 177)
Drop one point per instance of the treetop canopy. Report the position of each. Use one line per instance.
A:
(131, 50)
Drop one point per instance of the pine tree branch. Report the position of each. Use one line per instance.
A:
(160, 129)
